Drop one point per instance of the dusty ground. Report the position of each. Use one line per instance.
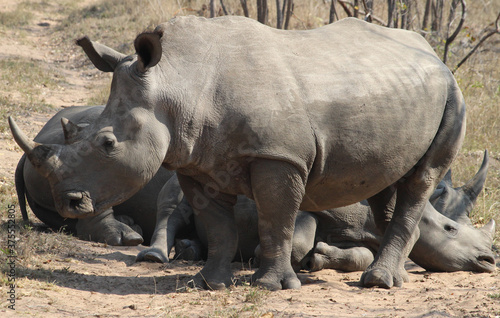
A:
(93, 280)
(99, 281)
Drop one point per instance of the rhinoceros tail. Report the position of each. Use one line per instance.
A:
(20, 187)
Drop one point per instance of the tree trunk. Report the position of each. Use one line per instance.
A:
(262, 11)
(245, 7)
(212, 8)
(425, 19)
(333, 12)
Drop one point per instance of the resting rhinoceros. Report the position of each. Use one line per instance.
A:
(342, 238)
(312, 119)
(139, 210)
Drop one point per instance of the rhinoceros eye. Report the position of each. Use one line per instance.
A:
(109, 143)
(451, 229)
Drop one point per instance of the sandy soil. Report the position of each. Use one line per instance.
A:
(103, 281)
(94, 280)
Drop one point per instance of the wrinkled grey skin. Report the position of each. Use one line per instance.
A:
(343, 238)
(313, 119)
(134, 217)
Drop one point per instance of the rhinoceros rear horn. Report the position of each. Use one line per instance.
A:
(103, 57)
(38, 154)
(489, 228)
(474, 186)
(148, 48)
(70, 130)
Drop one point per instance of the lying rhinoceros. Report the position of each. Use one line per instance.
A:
(464, 247)
(342, 238)
(313, 119)
(138, 211)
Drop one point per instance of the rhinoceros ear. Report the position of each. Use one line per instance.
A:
(148, 48)
(103, 57)
(70, 130)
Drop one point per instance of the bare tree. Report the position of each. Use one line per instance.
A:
(495, 30)
(368, 5)
(212, 8)
(223, 7)
(333, 12)
(391, 6)
(289, 12)
(451, 17)
(245, 7)
(437, 15)
(262, 11)
(425, 19)
(279, 15)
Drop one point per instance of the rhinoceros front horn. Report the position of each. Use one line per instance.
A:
(474, 186)
(26, 144)
(38, 154)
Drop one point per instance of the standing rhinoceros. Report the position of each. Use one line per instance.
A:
(312, 119)
(139, 211)
(343, 238)
(444, 245)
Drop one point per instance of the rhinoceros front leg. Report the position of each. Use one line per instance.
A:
(105, 228)
(278, 190)
(215, 213)
(173, 213)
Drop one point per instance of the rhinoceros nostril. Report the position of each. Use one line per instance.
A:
(74, 199)
(74, 195)
(487, 259)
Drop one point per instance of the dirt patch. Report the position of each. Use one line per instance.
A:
(101, 281)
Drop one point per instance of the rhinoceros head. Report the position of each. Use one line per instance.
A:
(106, 162)
(448, 240)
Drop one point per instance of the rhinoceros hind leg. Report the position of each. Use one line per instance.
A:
(413, 192)
(356, 258)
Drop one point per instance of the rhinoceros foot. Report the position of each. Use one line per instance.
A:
(106, 229)
(189, 250)
(152, 254)
(212, 281)
(274, 281)
(321, 256)
(382, 277)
